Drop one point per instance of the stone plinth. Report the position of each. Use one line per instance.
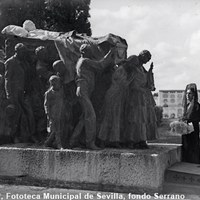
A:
(115, 170)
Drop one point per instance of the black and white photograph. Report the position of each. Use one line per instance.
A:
(99, 99)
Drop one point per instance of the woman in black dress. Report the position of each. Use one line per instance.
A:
(190, 142)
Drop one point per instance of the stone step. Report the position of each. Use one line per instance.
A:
(177, 188)
(114, 170)
(183, 173)
(183, 177)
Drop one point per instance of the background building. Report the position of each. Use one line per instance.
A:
(171, 101)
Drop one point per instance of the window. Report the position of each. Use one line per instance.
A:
(172, 96)
(172, 100)
(165, 100)
(172, 116)
(180, 111)
(180, 96)
(165, 95)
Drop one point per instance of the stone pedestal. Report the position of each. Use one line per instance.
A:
(114, 170)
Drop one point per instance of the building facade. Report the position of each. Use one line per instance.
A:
(171, 101)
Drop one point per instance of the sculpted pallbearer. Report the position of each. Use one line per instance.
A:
(16, 85)
(86, 69)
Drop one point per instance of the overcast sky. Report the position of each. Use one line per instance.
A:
(169, 29)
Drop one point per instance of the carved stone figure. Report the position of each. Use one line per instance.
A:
(39, 83)
(3, 104)
(43, 67)
(55, 109)
(36, 97)
(140, 112)
(16, 85)
(86, 69)
(69, 88)
(112, 125)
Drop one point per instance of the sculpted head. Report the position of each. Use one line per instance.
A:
(21, 50)
(41, 53)
(55, 82)
(144, 56)
(59, 67)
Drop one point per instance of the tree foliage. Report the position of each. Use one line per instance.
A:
(66, 15)
(17, 11)
(56, 15)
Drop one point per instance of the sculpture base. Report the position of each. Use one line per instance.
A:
(114, 170)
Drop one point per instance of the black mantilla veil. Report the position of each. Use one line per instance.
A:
(190, 142)
(191, 109)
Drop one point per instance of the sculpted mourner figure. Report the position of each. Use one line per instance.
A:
(113, 123)
(140, 105)
(129, 119)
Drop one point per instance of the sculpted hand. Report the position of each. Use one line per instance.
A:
(78, 92)
(151, 66)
